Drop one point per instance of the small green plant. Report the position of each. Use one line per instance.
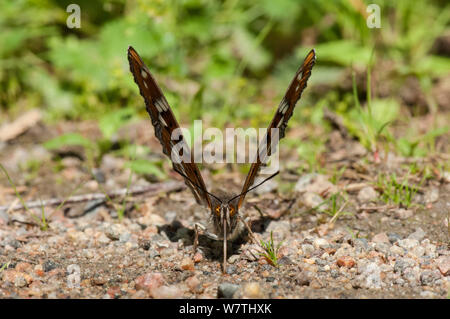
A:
(4, 266)
(41, 222)
(270, 250)
(395, 191)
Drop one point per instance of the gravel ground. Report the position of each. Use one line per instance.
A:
(150, 255)
(372, 250)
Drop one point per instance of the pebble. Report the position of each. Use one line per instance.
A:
(194, 284)
(227, 290)
(231, 269)
(307, 249)
(403, 213)
(396, 250)
(267, 187)
(428, 277)
(315, 183)
(280, 229)
(187, 264)
(443, 263)
(313, 200)
(114, 231)
(431, 195)
(170, 216)
(304, 181)
(346, 261)
(393, 237)
(167, 292)
(49, 265)
(4, 217)
(381, 238)
(418, 251)
(303, 278)
(419, 234)
(372, 274)
(149, 281)
(252, 290)
(367, 194)
(402, 264)
(408, 243)
(198, 257)
(320, 243)
(446, 177)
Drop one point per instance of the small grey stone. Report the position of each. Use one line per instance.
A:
(367, 194)
(320, 243)
(393, 237)
(446, 177)
(124, 237)
(380, 238)
(334, 273)
(231, 269)
(419, 234)
(285, 260)
(20, 281)
(233, 258)
(321, 262)
(280, 229)
(361, 243)
(403, 213)
(418, 251)
(170, 216)
(428, 277)
(307, 249)
(303, 279)
(313, 200)
(4, 216)
(372, 275)
(267, 187)
(408, 243)
(99, 175)
(302, 184)
(431, 195)
(49, 265)
(401, 265)
(382, 248)
(396, 250)
(113, 232)
(227, 290)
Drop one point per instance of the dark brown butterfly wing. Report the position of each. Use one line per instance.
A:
(164, 123)
(281, 118)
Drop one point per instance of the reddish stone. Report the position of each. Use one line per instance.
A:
(346, 261)
(149, 281)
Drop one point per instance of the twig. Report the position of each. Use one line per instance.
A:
(152, 188)
(333, 219)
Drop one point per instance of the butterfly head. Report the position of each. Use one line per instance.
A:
(224, 213)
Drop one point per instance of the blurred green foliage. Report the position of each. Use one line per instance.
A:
(222, 60)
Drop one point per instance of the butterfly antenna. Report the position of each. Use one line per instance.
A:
(200, 188)
(252, 188)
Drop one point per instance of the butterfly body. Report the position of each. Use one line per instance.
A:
(224, 213)
(224, 208)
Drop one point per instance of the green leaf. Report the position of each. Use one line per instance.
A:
(68, 139)
(111, 122)
(142, 166)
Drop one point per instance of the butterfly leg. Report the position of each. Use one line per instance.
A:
(250, 232)
(197, 226)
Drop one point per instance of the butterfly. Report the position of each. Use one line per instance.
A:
(224, 208)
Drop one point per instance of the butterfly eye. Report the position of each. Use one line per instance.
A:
(232, 211)
(217, 210)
